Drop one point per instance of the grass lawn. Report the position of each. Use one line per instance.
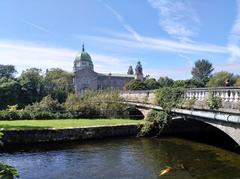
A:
(62, 123)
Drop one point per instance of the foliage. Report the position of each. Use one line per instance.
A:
(237, 82)
(96, 104)
(189, 103)
(31, 85)
(7, 71)
(219, 79)
(27, 114)
(168, 97)
(214, 102)
(8, 172)
(12, 107)
(165, 82)
(151, 84)
(9, 92)
(58, 83)
(155, 122)
(202, 70)
(135, 85)
(188, 84)
(47, 104)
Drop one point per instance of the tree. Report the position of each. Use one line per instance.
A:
(165, 82)
(9, 92)
(237, 83)
(202, 70)
(151, 84)
(31, 86)
(7, 71)
(190, 83)
(135, 85)
(47, 104)
(58, 83)
(220, 78)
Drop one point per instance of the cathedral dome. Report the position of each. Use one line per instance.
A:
(83, 61)
(84, 56)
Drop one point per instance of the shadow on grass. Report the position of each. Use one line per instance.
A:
(21, 127)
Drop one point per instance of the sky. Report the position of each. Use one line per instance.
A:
(167, 36)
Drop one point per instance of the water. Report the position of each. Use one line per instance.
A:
(124, 158)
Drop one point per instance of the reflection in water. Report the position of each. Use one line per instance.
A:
(124, 158)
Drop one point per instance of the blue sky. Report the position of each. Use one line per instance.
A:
(167, 36)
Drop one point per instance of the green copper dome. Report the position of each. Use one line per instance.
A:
(83, 56)
(83, 61)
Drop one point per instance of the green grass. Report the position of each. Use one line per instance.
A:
(62, 123)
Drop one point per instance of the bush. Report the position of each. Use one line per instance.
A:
(219, 79)
(8, 172)
(189, 103)
(9, 115)
(168, 97)
(214, 102)
(155, 122)
(135, 85)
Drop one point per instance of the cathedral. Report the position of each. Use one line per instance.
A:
(85, 78)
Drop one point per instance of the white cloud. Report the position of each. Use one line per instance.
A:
(126, 26)
(38, 27)
(26, 55)
(157, 44)
(177, 18)
(234, 38)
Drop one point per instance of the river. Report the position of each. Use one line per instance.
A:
(123, 158)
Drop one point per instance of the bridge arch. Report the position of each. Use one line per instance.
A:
(199, 129)
(135, 113)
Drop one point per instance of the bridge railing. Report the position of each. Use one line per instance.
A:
(230, 97)
(226, 94)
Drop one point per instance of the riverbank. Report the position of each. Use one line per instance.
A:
(35, 131)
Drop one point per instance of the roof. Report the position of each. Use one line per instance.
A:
(116, 75)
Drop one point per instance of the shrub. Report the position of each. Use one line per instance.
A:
(168, 97)
(9, 115)
(46, 104)
(219, 79)
(214, 102)
(24, 114)
(8, 172)
(155, 122)
(189, 103)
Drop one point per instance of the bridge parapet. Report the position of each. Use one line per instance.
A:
(230, 97)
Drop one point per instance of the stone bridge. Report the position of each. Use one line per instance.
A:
(226, 118)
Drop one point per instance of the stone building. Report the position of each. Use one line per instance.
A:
(86, 78)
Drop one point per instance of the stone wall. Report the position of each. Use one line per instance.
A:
(112, 82)
(69, 134)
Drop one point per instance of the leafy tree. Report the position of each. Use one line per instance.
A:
(165, 81)
(168, 97)
(58, 83)
(9, 92)
(237, 83)
(31, 85)
(202, 70)
(188, 84)
(151, 84)
(7, 71)
(47, 104)
(220, 78)
(155, 122)
(135, 85)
